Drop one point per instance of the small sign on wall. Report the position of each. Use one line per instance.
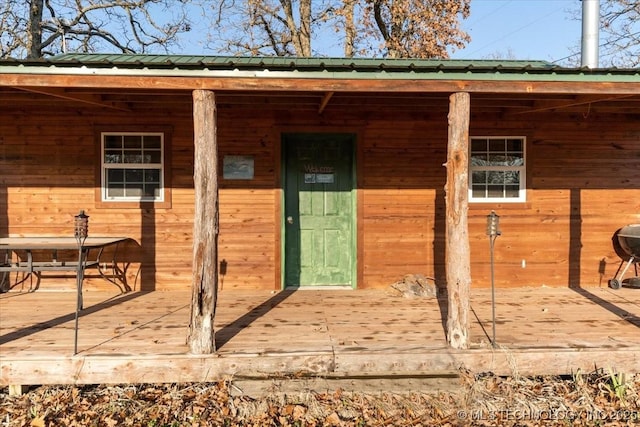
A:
(237, 167)
(318, 178)
(318, 174)
(324, 178)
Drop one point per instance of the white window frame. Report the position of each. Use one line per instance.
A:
(521, 169)
(155, 166)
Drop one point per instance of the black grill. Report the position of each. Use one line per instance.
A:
(628, 248)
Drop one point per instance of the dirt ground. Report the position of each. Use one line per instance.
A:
(593, 399)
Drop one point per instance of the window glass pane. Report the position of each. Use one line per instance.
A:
(512, 177)
(479, 159)
(152, 141)
(514, 160)
(133, 141)
(478, 145)
(134, 190)
(152, 190)
(133, 176)
(152, 157)
(512, 191)
(152, 175)
(495, 191)
(514, 145)
(478, 191)
(115, 190)
(113, 156)
(112, 141)
(495, 177)
(479, 177)
(115, 175)
(130, 157)
(497, 145)
(498, 160)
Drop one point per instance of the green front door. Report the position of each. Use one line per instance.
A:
(318, 214)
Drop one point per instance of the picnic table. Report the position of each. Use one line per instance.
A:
(20, 256)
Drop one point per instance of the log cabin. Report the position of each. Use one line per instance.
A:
(343, 173)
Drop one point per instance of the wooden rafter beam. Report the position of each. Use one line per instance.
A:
(325, 100)
(63, 94)
(314, 85)
(540, 106)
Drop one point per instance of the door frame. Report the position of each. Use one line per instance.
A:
(355, 232)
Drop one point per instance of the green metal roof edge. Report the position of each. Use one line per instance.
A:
(276, 63)
(326, 68)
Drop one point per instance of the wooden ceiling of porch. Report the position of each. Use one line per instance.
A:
(145, 99)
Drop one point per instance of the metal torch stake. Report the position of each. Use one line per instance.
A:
(81, 231)
(493, 231)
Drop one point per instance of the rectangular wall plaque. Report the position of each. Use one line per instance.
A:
(237, 167)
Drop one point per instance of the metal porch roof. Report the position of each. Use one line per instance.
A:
(326, 68)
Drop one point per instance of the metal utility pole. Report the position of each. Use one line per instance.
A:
(590, 33)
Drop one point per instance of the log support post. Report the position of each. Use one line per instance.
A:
(204, 291)
(457, 252)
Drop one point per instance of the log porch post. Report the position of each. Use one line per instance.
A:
(204, 288)
(457, 252)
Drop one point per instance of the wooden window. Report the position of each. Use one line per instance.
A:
(132, 167)
(497, 169)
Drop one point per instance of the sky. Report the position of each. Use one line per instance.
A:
(548, 30)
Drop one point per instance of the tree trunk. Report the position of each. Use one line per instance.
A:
(300, 36)
(204, 292)
(350, 31)
(305, 28)
(35, 29)
(457, 244)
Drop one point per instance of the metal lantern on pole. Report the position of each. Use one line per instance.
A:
(81, 231)
(81, 227)
(493, 231)
(493, 225)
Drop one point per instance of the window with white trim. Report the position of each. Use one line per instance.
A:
(132, 166)
(497, 169)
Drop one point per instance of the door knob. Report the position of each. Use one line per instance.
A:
(290, 219)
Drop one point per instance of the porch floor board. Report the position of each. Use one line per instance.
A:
(141, 337)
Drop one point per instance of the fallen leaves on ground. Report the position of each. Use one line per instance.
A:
(597, 398)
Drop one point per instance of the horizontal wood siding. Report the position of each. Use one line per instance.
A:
(249, 224)
(49, 158)
(402, 174)
(583, 174)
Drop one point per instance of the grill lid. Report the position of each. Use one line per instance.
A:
(631, 230)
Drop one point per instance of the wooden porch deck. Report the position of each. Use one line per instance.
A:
(140, 337)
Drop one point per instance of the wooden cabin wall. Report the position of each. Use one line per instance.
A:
(48, 163)
(49, 157)
(560, 237)
(583, 179)
(583, 176)
(249, 249)
(402, 191)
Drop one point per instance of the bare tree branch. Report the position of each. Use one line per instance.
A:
(620, 20)
(416, 28)
(47, 27)
(394, 28)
